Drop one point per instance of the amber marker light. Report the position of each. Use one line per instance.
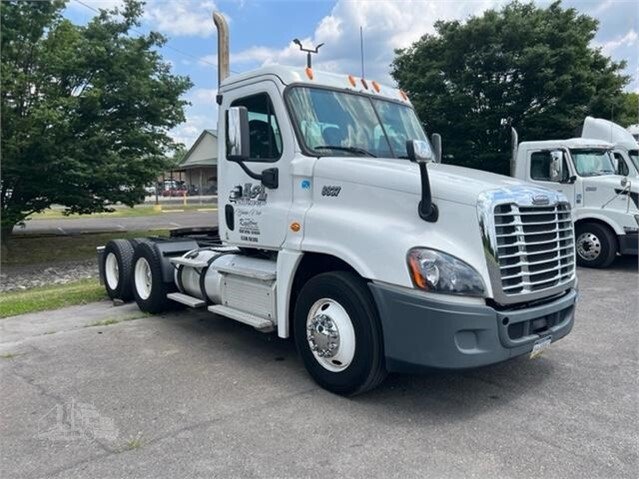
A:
(351, 80)
(403, 95)
(309, 73)
(416, 273)
(364, 84)
(376, 86)
(295, 227)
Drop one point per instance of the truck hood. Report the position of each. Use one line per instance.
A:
(448, 182)
(611, 182)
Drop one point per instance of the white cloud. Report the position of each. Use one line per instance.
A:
(181, 18)
(203, 96)
(387, 25)
(627, 40)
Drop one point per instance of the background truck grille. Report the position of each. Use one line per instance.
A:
(535, 247)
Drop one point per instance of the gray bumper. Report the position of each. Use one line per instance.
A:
(421, 332)
(628, 243)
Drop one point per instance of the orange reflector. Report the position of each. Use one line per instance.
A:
(403, 95)
(295, 227)
(351, 80)
(376, 86)
(416, 273)
(364, 83)
(309, 73)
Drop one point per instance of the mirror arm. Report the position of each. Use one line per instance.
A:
(427, 209)
(269, 177)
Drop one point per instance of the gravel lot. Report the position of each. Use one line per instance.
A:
(201, 396)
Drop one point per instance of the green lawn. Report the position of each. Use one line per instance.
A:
(24, 249)
(122, 212)
(50, 297)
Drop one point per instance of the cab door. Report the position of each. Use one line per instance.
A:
(251, 214)
(539, 163)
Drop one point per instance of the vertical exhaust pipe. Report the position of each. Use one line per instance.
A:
(514, 144)
(222, 47)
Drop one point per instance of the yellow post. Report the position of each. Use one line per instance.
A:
(184, 196)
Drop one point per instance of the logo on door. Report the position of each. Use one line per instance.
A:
(249, 194)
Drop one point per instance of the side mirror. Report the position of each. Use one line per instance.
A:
(238, 145)
(436, 140)
(557, 166)
(419, 151)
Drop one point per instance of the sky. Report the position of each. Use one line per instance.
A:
(261, 32)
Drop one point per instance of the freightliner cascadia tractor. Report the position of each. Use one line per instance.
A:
(338, 229)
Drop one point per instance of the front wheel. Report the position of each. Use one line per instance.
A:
(596, 245)
(338, 333)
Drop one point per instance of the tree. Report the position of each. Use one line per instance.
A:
(531, 66)
(86, 110)
(628, 113)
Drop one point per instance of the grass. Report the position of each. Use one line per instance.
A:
(133, 443)
(110, 321)
(122, 212)
(24, 250)
(50, 297)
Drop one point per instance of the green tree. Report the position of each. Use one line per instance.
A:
(531, 66)
(628, 113)
(86, 110)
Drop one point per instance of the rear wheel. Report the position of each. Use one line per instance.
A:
(117, 264)
(596, 245)
(338, 333)
(149, 288)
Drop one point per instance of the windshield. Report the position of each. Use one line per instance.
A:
(634, 156)
(592, 162)
(340, 123)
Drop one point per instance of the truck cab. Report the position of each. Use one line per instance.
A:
(625, 150)
(605, 204)
(338, 228)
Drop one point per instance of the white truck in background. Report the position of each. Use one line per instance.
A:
(605, 205)
(625, 147)
(337, 228)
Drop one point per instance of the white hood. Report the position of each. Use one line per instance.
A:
(450, 183)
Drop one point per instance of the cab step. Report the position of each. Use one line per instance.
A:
(261, 324)
(189, 301)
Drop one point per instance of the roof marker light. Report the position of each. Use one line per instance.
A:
(403, 95)
(351, 80)
(309, 73)
(365, 84)
(376, 86)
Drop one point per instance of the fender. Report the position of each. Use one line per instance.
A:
(585, 214)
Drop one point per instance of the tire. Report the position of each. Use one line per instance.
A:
(117, 266)
(596, 245)
(149, 288)
(355, 362)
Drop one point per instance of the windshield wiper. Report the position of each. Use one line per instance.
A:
(351, 149)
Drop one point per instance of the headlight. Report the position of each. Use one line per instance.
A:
(439, 272)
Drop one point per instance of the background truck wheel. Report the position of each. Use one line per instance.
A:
(596, 245)
(149, 288)
(338, 333)
(118, 261)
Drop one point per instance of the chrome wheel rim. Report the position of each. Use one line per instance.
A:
(111, 271)
(142, 276)
(588, 246)
(330, 335)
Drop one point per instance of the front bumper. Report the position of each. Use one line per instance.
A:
(629, 243)
(422, 332)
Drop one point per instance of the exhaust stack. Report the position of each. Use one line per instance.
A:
(222, 47)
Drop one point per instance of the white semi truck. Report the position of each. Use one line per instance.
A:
(625, 151)
(605, 205)
(337, 228)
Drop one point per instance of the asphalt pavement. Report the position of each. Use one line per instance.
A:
(165, 220)
(195, 395)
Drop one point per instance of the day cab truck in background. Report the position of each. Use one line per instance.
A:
(605, 205)
(337, 228)
(625, 152)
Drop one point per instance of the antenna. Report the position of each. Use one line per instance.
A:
(361, 47)
(308, 51)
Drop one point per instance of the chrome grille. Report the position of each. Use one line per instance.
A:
(534, 247)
